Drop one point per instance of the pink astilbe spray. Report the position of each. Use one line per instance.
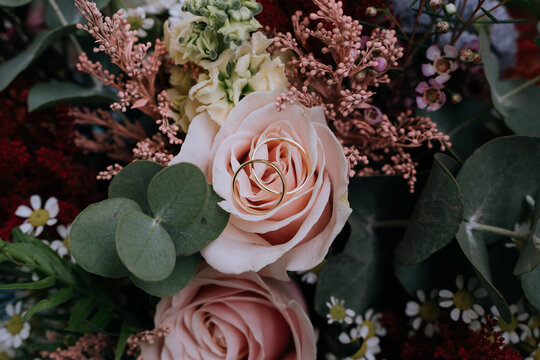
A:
(137, 85)
(88, 347)
(343, 77)
(148, 336)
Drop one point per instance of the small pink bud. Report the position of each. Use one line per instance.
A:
(381, 64)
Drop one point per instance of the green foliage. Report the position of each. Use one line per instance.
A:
(14, 3)
(54, 299)
(69, 12)
(154, 218)
(515, 99)
(437, 214)
(13, 67)
(529, 282)
(44, 95)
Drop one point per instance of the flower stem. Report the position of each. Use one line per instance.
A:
(519, 88)
(390, 224)
(64, 22)
(499, 231)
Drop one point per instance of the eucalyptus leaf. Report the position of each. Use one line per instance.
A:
(80, 313)
(204, 230)
(14, 66)
(54, 299)
(100, 319)
(183, 272)
(92, 237)
(45, 95)
(516, 100)
(530, 282)
(529, 259)
(14, 3)
(132, 182)
(144, 247)
(178, 194)
(69, 11)
(436, 217)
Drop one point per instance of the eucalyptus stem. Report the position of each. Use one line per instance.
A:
(520, 88)
(390, 224)
(497, 230)
(64, 22)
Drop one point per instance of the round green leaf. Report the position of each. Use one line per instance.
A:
(530, 282)
(436, 217)
(203, 231)
(92, 237)
(177, 194)
(132, 182)
(144, 247)
(183, 272)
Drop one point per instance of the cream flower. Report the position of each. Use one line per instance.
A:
(37, 217)
(14, 330)
(463, 300)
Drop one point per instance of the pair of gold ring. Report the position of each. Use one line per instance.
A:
(260, 183)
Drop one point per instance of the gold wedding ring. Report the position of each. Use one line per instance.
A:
(304, 155)
(237, 196)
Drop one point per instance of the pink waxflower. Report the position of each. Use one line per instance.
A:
(431, 96)
(442, 65)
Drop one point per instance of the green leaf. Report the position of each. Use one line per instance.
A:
(530, 282)
(69, 12)
(529, 259)
(436, 217)
(11, 68)
(132, 182)
(183, 272)
(80, 313)
(45, 95)
(203, 231)
(40, 284)
(122, 340)
(14, 3)
(144, 247)
(516, 100)
(101, 319)
(92, 237)
(54, 299)
(177, 194)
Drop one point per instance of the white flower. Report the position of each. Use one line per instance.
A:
(370, 347)
(463, 300)
(371, 320)
(523, 228)
(14, 330)
(138, 21)
(510, 331)
(62, 246)
(311, 276)
(37, 217)
(534, 325)
(425, 311)
(337, 312)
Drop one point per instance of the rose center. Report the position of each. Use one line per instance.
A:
(432, 95)
(442, 65)
(14, 325)
(337, 312)
(429, 311)
(38, 217)
(463, 299)
(508, 327)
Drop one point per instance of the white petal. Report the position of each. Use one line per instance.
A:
(421, 295)
(23, 211)
(471, 314)
(38, 231)
(446, 294)
(478, 309)
(51, 222)
(17, 341)
(10, 310)
(18, 307)
(514, 338)
(506, 338)
(52, 207)
(433, 52)
(429, 330)
(459, 281)
(416, 323)
(412, 308)
(26, 227)
(446, 304)
(480, 292)
(344, 338)
(35, 201)
(454, 314)
(369, 313)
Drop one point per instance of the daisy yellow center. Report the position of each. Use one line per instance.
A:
(337, 312)
(535, 321)
(66, 243)
(520, 244)
(38, 217)
(371, 328)
(429, 311)
(14, 325)
(508, 327)
(536, 355)
(362, 351)
(463, 299)
(135, 22)
(4, 356)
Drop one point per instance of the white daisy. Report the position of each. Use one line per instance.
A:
(6, 352)
(370, 347)
(425, 311)
(511, 331)
(534, 325)
(14, 330)
(37, 217)
(138, 21)
(337, 311)
(463, 300)
(62, 246)
(311, 276)
(371, 319)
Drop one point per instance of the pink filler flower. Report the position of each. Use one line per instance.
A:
(431, 96)
(442, 65)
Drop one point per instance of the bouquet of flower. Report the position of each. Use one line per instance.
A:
(270, 179)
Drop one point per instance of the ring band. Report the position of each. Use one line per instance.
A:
(291, 142)
(237, 196)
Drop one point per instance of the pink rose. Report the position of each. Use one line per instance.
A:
(296, 234)
(219, 316)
